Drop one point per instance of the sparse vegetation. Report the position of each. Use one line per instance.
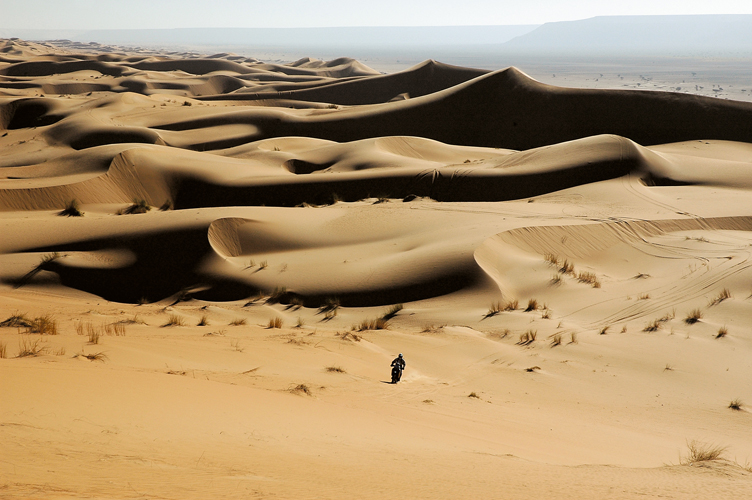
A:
(702, 452)
(532, 369)
(589, 278)
(277, 295)
(528, 337)
(174, 320)
(723, 295)
(204, 321)
(373, 324)
(653, 326)
(238, 322)
(555, 280)
(138, 206)
(3, 350)
(17, 320)
(693, 317)
(604, 330)
(335, 369)
(97, 356)
(512, 305)
(643, 296)
(167, 205)
(45, 325)
(573, 338)
(300, 323)
(556, 340)
(392, 312)
(567, 268)
(532, 305)
(275, 322)
(722, 332)
(263, 264)
(93, 336)
(329, 308)
(72, 209)
(235, 344)
(546, 312)
(473, 395)
(29, 347)
(736, 404)
(551, 259)
(496, 308)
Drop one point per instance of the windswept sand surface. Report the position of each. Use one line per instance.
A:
(324, 194)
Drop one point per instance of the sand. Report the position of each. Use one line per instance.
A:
(566, 270)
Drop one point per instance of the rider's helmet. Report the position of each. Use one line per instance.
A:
(400, 355)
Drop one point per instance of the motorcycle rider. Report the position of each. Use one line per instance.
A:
(399, 361)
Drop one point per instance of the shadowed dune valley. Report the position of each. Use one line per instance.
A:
(208, 263)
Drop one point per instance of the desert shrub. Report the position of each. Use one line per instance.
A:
(335, 369)
(643, 296)
(204, 321)
(653, 326)
(512, 305)
(551, 259)
(722, 332)
(532, 305)
(556, 340)
(71, 209)
(604, 330)
(3, 350)
(555, 279)
(277, 295)
(96, 356)
(473, 395)
(93, 336)
(567, 268)
(693, 316)
(238, 322)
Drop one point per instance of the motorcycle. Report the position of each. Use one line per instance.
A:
(396, 373)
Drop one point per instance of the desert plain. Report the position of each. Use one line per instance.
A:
(207, 264)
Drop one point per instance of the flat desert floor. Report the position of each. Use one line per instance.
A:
(207, 265)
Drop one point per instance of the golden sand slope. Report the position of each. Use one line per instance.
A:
(567, 272)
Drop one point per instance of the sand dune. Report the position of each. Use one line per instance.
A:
(566, 270)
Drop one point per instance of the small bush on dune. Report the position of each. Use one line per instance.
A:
(473, 395)
(496, 308)
(722, 332)
(512, 305)
(301, 388)
(3, 350)
(567, 268)
(693, 317)
(653, 326)
(138, 206)
(723, 295)
(589, 278)
(556, 340)
(71, 209)
(238, 322)
(96, 356)
(204, 321)
(335, 369)
(552, 259)
(532, 305)
(702, 452)
(94, 336)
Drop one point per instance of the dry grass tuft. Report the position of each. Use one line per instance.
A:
(643, 296)
(702, 452)
(373, 324)
(94, 336)
(3, 350)
(722, 332)
(736, 404)
(589, 278)
(555, 280)
(45, 325)
(496, 308)
(71, 210)
(174, 320)
(551, 259)
(693, 317)
(29, 347)
(532, 305)
(653, 326)
(392, 312)
(335, 369)
(546, 312)
(277, 295)
(512, 305)
(137, 207)
(275, 322)
(97, 356)
(473, 395)
(238, 322)
(573, 338)
(528, 337)
(556, 340)
(235, 344)
(604, 330)
(204, 321)
(723, 295)
(567, 268)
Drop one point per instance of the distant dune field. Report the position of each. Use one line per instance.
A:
(207, 264)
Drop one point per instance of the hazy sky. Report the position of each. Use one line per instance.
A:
(112, 14)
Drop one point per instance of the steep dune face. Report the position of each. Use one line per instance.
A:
(539, 253)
